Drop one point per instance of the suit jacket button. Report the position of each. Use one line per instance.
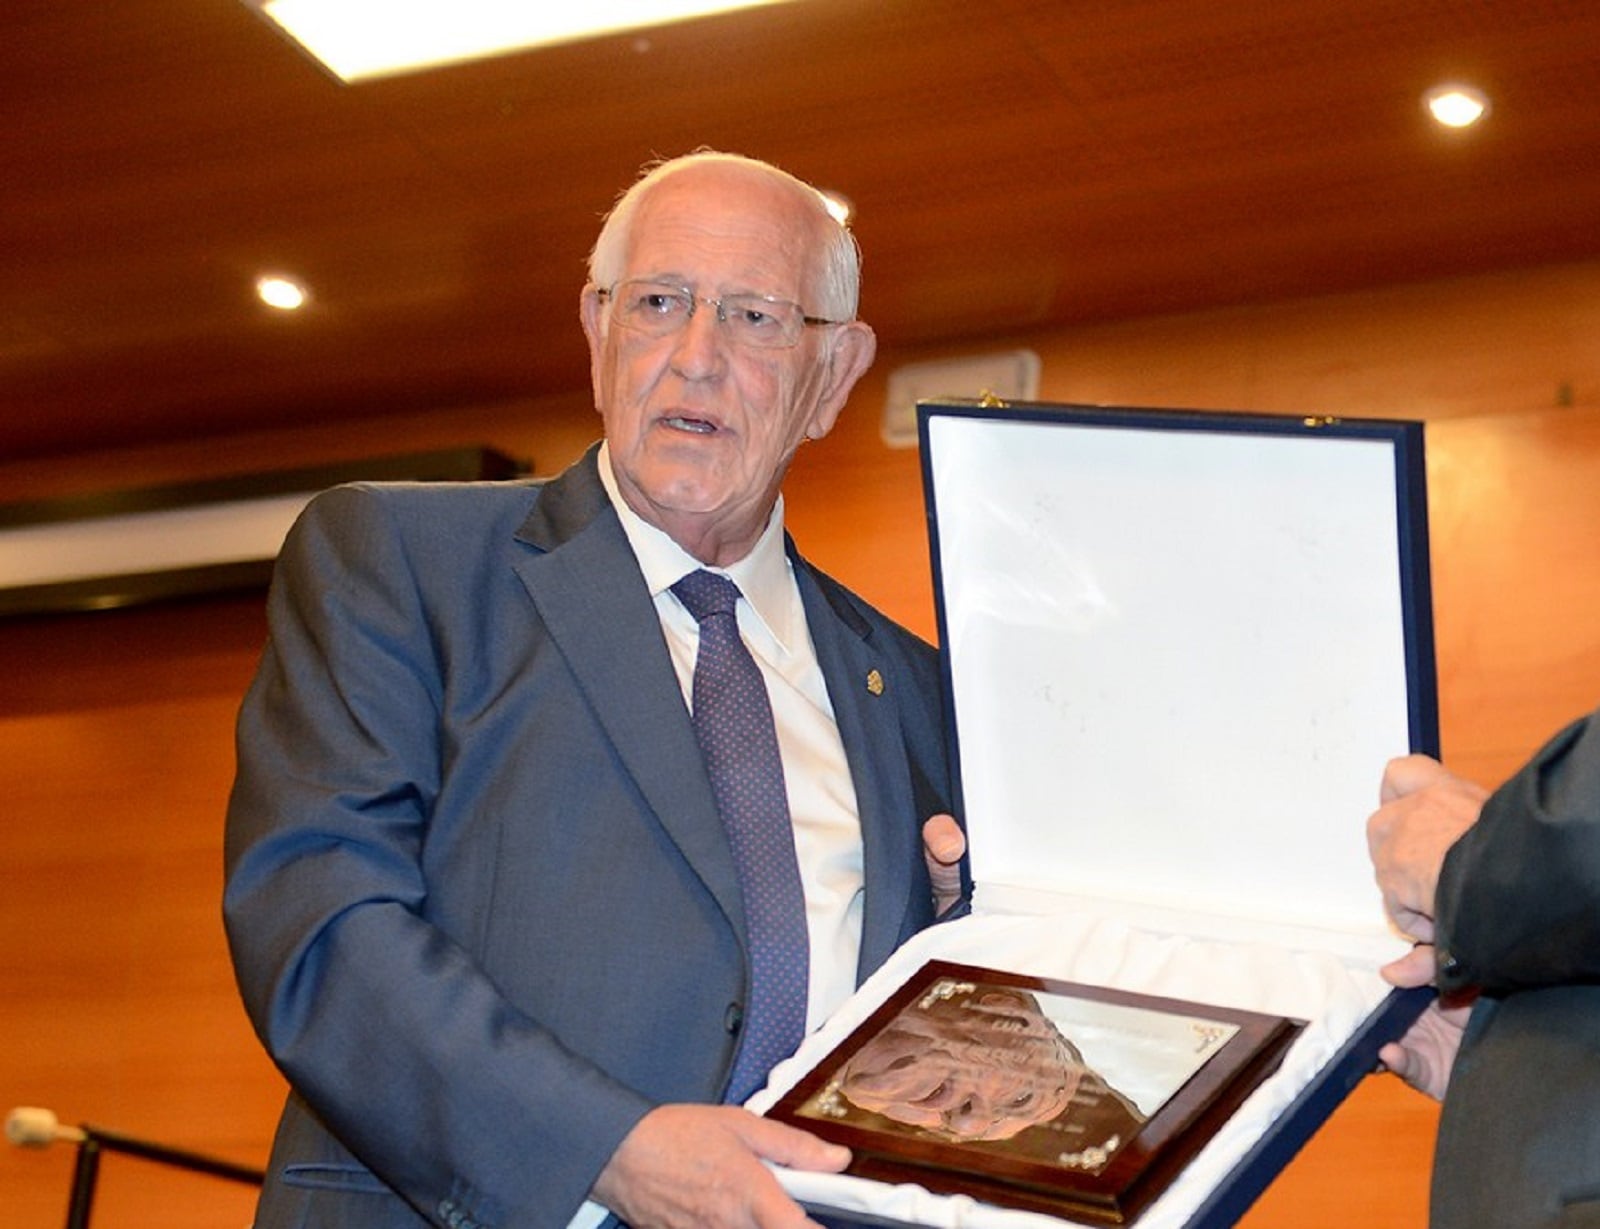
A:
(733, 1019)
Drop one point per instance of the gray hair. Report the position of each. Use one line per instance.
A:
(841, 257)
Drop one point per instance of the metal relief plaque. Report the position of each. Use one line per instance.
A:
(1046, 1095)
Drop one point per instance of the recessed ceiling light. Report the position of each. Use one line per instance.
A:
(1456, 106)
(357, 39)
(283, 293)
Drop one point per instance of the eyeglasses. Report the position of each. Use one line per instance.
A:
(660, 309)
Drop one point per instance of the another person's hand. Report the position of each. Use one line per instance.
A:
(1424, 810)
(1418, 967)
(1424, 1056)
(943, 846)
(700, 1167)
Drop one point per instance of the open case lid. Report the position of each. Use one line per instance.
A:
(1179, 648)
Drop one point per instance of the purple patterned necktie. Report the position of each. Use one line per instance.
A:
(733, 722)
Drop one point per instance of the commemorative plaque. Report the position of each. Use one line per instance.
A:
(1178, 648)
(1034, 1093)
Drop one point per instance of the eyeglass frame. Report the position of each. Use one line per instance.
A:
(608, 294)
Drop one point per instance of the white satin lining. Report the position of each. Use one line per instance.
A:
(1333, 995)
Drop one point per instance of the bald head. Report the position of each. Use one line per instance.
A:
(832, 255)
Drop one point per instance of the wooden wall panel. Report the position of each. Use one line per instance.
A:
(1516, 533)
(115, 729)
(115, 742)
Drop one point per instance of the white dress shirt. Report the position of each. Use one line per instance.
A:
(822, 797)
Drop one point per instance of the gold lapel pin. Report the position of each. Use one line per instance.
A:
(874, 682)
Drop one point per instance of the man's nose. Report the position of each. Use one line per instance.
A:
(701, 348)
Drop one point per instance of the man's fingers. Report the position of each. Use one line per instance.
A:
(1424, 1057)
(792, 1147)
(1408, 774)
(1396, 1058)
(1410, 1067)
(701, 1167)
(943, 839)
(1416, 968)
(943, 846)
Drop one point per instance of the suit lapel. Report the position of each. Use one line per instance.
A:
(869, 725)
(588, 590)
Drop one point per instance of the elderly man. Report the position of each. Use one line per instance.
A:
(1502, 892)
(525, 874)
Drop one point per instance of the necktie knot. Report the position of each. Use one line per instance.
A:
(707, 593)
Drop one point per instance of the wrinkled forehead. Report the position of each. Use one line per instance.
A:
(737, 218)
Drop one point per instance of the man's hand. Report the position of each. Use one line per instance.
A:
(943, 845)
(1417, 967)
(1424, 810)
(699, 1167)
(1424, 1056)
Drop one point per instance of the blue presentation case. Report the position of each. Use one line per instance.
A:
(1179, 647)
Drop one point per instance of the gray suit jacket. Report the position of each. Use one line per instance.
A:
(1519, 916)
(482, 910)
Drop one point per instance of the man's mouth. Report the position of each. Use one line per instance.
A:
(697, 425)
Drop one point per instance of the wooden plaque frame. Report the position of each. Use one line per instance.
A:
(1099, 1159)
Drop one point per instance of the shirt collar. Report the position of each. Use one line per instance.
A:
(763, 575)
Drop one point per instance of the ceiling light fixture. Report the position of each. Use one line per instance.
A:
(359, 39)
(1456, 106)
(283, 293)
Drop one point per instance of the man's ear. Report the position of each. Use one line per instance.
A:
(854, 346)
(592, 313)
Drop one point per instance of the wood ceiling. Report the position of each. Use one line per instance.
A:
(1015, 164)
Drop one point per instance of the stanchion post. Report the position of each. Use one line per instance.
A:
(85, 1172)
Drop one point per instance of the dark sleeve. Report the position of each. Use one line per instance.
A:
(387, 1026)
(1518, 903)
